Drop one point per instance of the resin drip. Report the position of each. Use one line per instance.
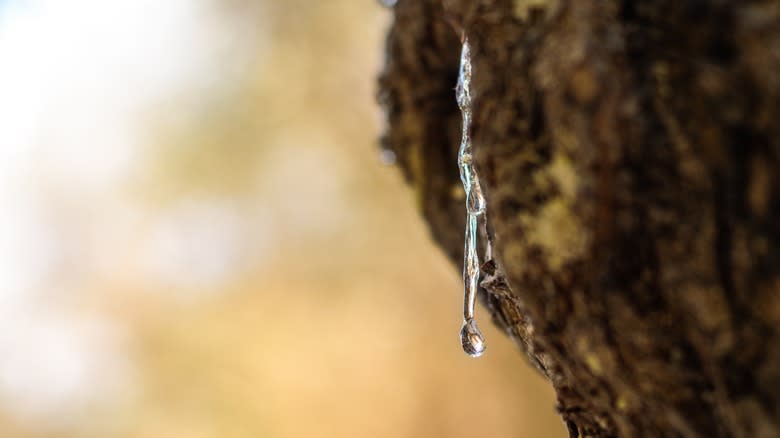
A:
(471, 338)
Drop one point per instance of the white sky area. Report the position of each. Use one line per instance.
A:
(76, 77)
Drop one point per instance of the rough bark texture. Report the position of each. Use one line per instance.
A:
(630, 152)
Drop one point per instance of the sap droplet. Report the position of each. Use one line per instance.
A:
(470, 336)
(387, 157)
(471, 339)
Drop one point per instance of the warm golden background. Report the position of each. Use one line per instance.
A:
(198, 239)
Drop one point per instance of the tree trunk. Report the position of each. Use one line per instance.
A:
(629, 152)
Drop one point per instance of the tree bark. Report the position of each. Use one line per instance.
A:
(629, 151)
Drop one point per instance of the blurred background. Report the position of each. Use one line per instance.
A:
(198, 238)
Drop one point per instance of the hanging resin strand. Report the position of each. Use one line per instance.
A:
(471, 338)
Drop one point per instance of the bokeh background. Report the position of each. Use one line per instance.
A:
(198, 238)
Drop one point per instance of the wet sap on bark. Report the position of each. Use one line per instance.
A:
(470, 336)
